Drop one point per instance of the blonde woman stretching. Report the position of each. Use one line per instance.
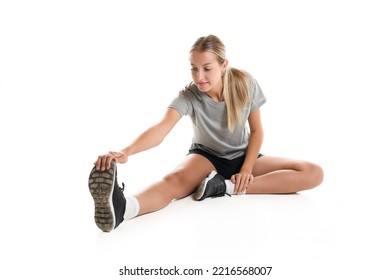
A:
(224, 155)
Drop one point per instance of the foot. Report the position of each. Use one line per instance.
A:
(213, 186)
(110, 202)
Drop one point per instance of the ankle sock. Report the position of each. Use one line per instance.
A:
(132, 207)
(229, 187)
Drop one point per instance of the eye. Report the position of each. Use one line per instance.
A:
(207, 69)
(193, 69)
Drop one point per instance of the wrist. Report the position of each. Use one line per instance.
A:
(126, 152)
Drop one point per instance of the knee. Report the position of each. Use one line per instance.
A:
(313, 175)
(174, 178)
(174, 183)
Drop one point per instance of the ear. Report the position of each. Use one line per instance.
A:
(225, 64)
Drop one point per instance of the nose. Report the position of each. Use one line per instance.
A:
(199, 75)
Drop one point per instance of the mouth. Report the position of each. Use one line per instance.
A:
(202, 84)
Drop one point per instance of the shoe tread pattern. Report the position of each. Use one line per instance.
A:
(101, 184)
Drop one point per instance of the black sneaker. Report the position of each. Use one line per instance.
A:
(213, 186)
(110, 202)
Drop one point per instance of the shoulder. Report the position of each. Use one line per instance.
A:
(256, 94)
(250, 78)
(191, 92)
(246, 76)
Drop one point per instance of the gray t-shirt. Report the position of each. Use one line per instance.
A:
(209, 119)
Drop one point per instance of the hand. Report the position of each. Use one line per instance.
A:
(241, 181)
(104, 161)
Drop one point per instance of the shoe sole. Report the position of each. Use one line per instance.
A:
(200, 191)
(101, 187)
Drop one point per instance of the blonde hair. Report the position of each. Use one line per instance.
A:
(235, 82)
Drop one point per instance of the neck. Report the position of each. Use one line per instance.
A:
(216, 93)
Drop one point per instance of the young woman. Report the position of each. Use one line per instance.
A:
(224, 156)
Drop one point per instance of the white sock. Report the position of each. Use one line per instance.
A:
(229, 187)
(132, 207)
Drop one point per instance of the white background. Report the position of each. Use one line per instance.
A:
(80, 78)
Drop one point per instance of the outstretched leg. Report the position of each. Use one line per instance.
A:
(112, 207)
(178, 184)
(275, 175)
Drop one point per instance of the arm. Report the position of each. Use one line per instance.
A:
(255, 142)
(150, 138)
(153, 136)
(244, 177)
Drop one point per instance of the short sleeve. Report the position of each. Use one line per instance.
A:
(182, 103)
(257, 95)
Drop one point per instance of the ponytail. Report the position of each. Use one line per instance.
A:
(236, 94)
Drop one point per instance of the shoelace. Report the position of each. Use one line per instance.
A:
(221, 194)
(116, 184)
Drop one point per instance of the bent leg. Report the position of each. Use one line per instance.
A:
(273, 175)
(178, 184)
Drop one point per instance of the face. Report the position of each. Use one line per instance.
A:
(207, 71)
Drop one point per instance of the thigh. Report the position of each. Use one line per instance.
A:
(267, 164)
(189, 174)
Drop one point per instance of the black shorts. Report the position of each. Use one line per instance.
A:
(224, 167)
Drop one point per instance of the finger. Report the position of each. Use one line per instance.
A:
(104, 161)
(237, 185)
(242, 187)
(108, 162)
(244, 182)
(98, 163)
(248, 181)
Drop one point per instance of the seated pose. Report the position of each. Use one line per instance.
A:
(224, 157)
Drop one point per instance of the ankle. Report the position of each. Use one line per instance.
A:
(229, 187)
(132, 208)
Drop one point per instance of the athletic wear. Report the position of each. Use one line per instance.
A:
(209, 118)
(132, 207)
(110, 203)
(224, 167)
(213, 186)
